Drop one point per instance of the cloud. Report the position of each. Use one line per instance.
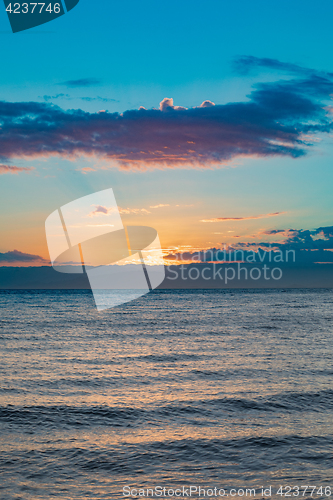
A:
(207, 104)
(274, 231)
(87, 169)
(17, 256)
(82, 82)
(48, 98)
(279, 118)
(100, 210)
(98, 98)
(245, 65)
(304, 246)
(225, 219)
(135, 211)
(67, 97)
(11, 169)
(167, 105)
(310, 245)
(304, 239)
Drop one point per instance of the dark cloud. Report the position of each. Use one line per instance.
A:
(48, 98)
(278, 120)
(318, 239)
(82, 82)
(274, 231)
(12, 169)
(300, 239)
(245, 65)
(16, 256)
(304, 247)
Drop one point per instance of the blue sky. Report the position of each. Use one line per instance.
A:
(132, 54)
(143, 51)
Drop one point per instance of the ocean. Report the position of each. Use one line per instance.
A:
(175, 391)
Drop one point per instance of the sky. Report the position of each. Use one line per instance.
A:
(212, 122)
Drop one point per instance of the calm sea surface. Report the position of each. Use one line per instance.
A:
(177, 389)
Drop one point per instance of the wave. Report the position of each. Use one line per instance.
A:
(255, 453)
(89, 416)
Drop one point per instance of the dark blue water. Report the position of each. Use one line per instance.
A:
(204, 388)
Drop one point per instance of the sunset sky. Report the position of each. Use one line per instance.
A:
(210, 128)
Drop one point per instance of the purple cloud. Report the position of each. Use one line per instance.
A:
(278, 120)
(11, 169)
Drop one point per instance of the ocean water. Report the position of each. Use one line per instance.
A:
(225, 389)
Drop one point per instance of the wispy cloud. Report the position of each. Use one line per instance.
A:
(87, 169)
(101, 210)
(245, 65)
(82, 82)
(161, 205)
(225, 219)
(279, 118)
(68, 97)
(135, 211)
(48, 98)
(12, 169)
(98, 98)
